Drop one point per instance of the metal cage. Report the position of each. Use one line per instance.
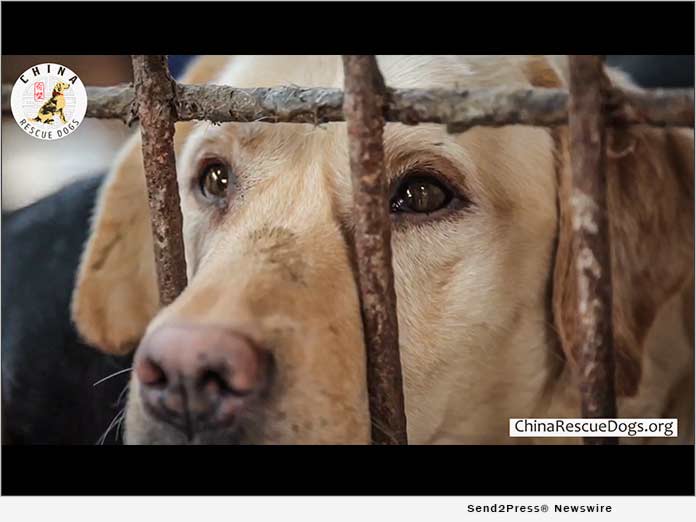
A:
(365, 104)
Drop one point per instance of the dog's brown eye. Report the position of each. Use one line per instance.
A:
(214, 180)
(421, 194)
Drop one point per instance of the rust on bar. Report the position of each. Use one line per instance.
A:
(586, 121)
(363, 108)
(154, 93)
(459, 109)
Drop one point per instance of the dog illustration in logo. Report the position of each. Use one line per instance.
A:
(55, 105)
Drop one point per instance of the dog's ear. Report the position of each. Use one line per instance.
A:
(116, 295)
(650, 205)
(540, 71)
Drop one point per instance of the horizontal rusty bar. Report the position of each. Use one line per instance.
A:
(458, 109)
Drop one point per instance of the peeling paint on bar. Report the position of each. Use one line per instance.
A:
(154, 89)
(591, 237)
(364, 99)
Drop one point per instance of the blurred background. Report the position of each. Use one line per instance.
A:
(32, 169)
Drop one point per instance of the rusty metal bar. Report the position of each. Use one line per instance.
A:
(458, 109)
(363, 108)
(154, 92)
(589, 217)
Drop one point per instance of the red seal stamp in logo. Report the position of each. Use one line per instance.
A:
(38, 91)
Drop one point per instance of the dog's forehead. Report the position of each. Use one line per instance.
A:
(415, 71)
(327, 71)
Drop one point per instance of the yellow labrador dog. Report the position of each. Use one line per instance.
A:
(54, 105)
(265, 345)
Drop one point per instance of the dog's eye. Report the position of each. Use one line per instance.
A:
(421, 194)
(214, 180)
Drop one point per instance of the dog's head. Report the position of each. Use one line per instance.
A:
(266, 344)
(60, 87)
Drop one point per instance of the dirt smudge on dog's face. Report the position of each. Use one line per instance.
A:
(276, 248)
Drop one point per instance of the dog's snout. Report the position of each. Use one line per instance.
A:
(199, 378)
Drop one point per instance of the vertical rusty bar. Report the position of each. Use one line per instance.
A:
(363, 109)
(591, 237)
(154, 91)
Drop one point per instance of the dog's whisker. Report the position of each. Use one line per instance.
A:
(119, 424)
(112, 375)
(121, 396)
(123, 393)
(114, 421)
(102, 438)
(384, 430)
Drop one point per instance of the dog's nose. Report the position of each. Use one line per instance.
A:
(199, 378)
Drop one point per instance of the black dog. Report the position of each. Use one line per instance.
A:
(48, 375)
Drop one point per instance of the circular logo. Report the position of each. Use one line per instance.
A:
(49, 101)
